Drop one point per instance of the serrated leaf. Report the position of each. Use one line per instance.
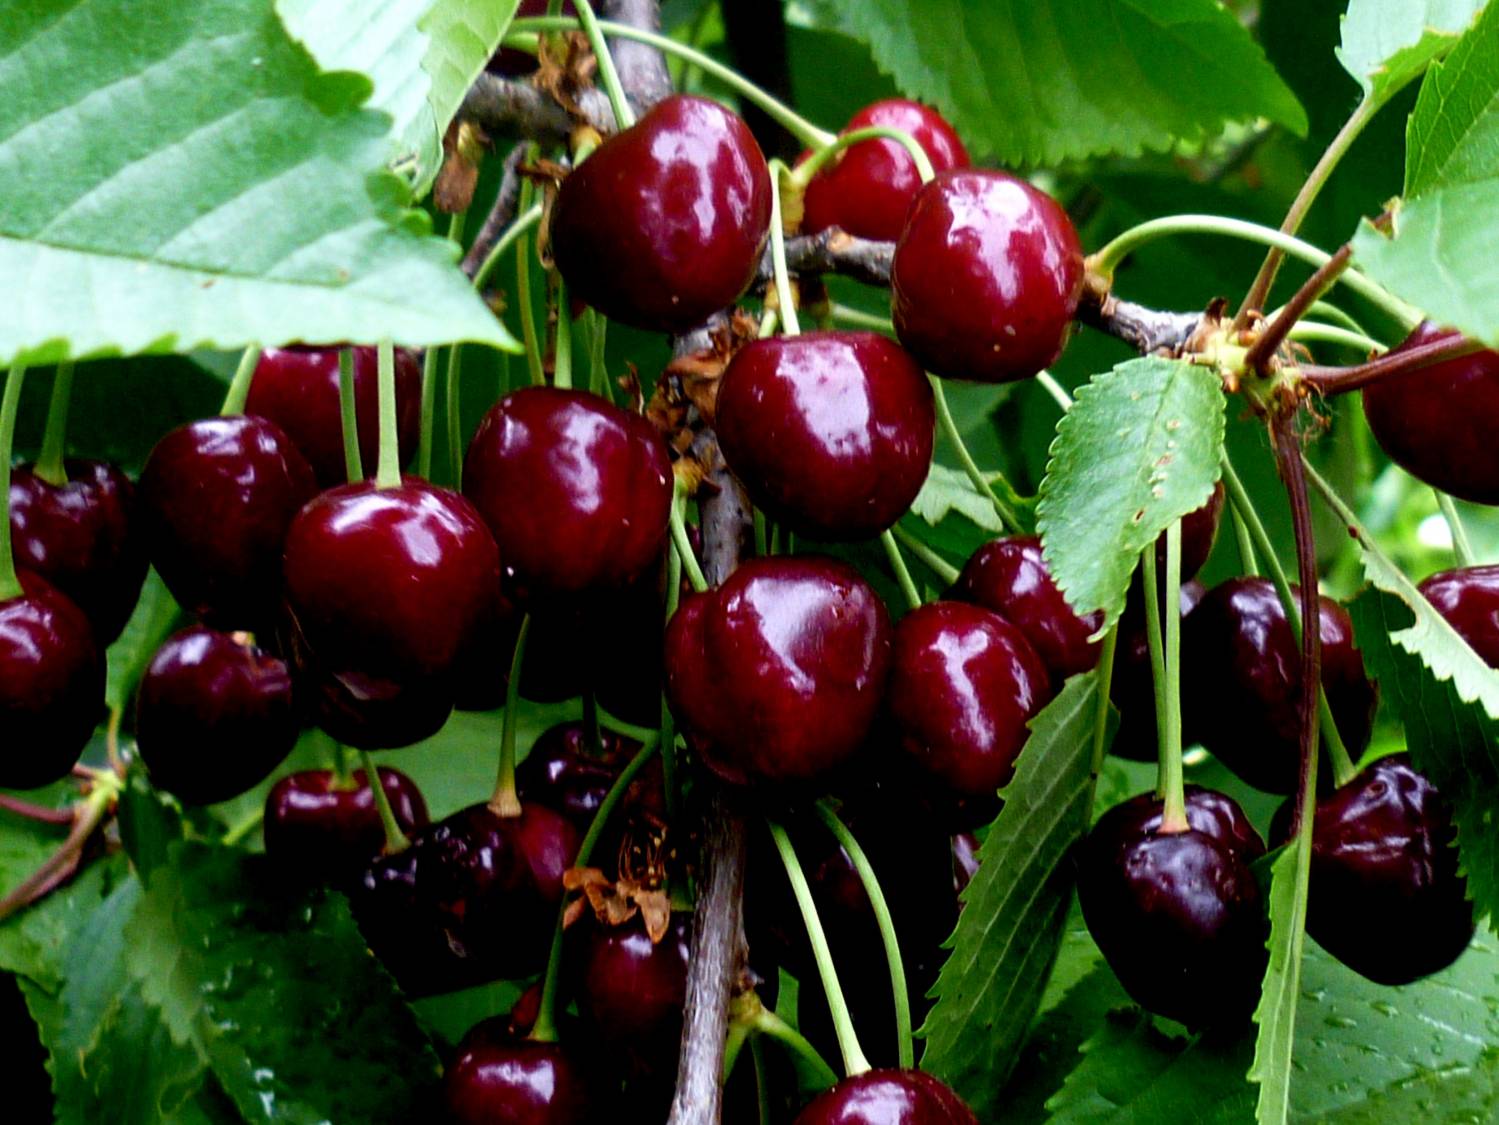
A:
(1139, 448)
(1275, 1016)
(946, 491)
(461, 35)
(201, 184)
(1387, 43)
(155, 615)
(1016, 906)
(1453, 134)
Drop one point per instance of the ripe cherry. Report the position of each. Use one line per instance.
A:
(830, 432)
(1468, 598)
(777, 675)
(888, 1097)
(324, 832)
(576, 490)
(296, 387)
(868, 188)
(630, 990)
(1432, 421)
(986, 277)
(664, 223)
(214, 715)
(500, 1080)
(562, 772)
(216, 498)
(84, 537)
(1133, 688)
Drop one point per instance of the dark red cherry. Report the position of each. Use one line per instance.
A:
(216, 497)
(1133, 687)
(563, 773)
(322, 832)
(1469, 599)
(964, 683)
(630, 991)
(496, 1080)
(869, 186)
(1010, 577)
(214, 715)
(1386, 896)
(1240, 681)
(82, 536)
(985, 278)
(51, 685)
(664, 223)
(965, 860)
(1432, 422)
(296, 387)
(511, 62)
(777, 675)
(830, 432)
(888, 1097)
(576, 490)
(1178, 915)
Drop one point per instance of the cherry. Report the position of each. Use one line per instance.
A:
(869, 186)
(216, 498)
(324, 832)
(630, 990)
(776, 676)
(964, 683)
(1386, 896)
(1431, 422)
(496, 1080)
(563, 773)
(965, 860)
(986, 277)
(888, 1097)
(51, 685)
(1010, 577)
(83, 537)
(296, 387)
(1469, 599)
(1240, 681)
(1133, 687)
(576, 490)
(1178, 915)
(830, 432)
(664, 223)
(512, 62)
(214, 715)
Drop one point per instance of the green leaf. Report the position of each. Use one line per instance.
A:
(946, 491)
(32, 940)
(1139, 449)
(155, 616)
(1387, 43)
(201, 184)
(1016, 906)
(1039, 81)
(1275, 1015)
(461, 35)
(1453, 134)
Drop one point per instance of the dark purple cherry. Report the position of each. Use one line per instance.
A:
(777, 675)
(965, 860)
(1433, 422)
(868, 187)
(1133, 687)
(830, 432)
(664, 223)
(1010, 577)
(496, 1080)
(888, 1097)
(51, 685)
(1386, 896)
(216, 498)
(1178, 915)
(630, 990)
(1241, 681)
(964, 683)
(985, 278)
(296, 387)
(576, 490)
(84, 537)
(564, 774)
(322, 832)
(1469, 599)
(512, 62)
(214, 715)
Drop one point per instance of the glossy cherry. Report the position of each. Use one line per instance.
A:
(964, 682)
(296, 387)
(84, 537)
(501, 1080)
(630, 990)
(1240, 681)
(214, 715)
(576, 490)
(1432, 422)
(319, 831)
(216, 498)
(1178, 916)
(664, 223)
(562, 772)
(888, 1097)
(51, 685)
(1468, 598)
(965, 860)
(986, 277)
(1386, 896)
(831, 432)
(868, 187)
(777, 675)
(1133, 688)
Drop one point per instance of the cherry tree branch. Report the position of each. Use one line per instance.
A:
(834, 251)
(513, 107)
(500, 216)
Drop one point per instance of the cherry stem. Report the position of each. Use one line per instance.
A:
(453, 413)
(769, 1024)
(504, 801)
(1327, 311)
(343, 776)
(243, 827)
(1337, 380)
(112, 739)
(528, 218)
(762, 534)
(624, 116)
(1165, 678)
(50, 463)
(388, 473)
(786, 301)
(1105, 675)
(1270, 339)
(949, 427)
(10, 402)
(1248, 564)
(429, 412)
(523, 285)
(902, 574)
(668, 720)
(61, 864)
(598, 362)
(562, 335)
(39, 813)
(239, 386)
(854, 1060)
(808, 168)
(857, 318)
(1048, 383)
(629, 730)
(682, 545)
(1462, 548)
(395, 839)
(1315, 332)
(348, 415)
(881, 908)
(946, 573)
(762, 1082)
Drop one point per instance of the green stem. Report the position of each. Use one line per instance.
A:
(562, 338)
(1105, 682)
(453, 413)
(50, 465)
(1248, 564)
(946, 573)
(762, 538)
(10, 403)
(388, 467)
(598, 363)
(808, 168)
(1343, 769)
(343, 776)
(504, 801)
(528, 218)
(348, 417)
(1169, 783)
(762, 1082)
(856, 318)
(683, 545)
(668, 720)
(786, 302)
(1058, 392)
(898, 565)
(1334, 334)
(1462, 548)
(624, 116)
(243, 827)
(854, 1061)
(239, 386)
(1176, 805)
(949, 427)
(769, 1024)
(429, 413)
(629, 730)
(395, 839)
(881, 908)
(769, 322)
(1326, 311)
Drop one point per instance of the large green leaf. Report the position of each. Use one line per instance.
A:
(1276, 1014)
(1040, 81)
(1453, 135)
(1139, 449)
(461, 35)
(200, 184)
(1387, 43)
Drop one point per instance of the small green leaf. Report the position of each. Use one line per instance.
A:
(1453, 135)
(1139, 449)
(1275, 1016)
(32, 940)
(946, 491)
(1387, 43)
(155, 616)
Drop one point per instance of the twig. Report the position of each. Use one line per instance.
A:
(1337, 380)
(1274, 334)
(1144, 329)
(501, 215)
(642, 68)
(513, 107)
(834, 251)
